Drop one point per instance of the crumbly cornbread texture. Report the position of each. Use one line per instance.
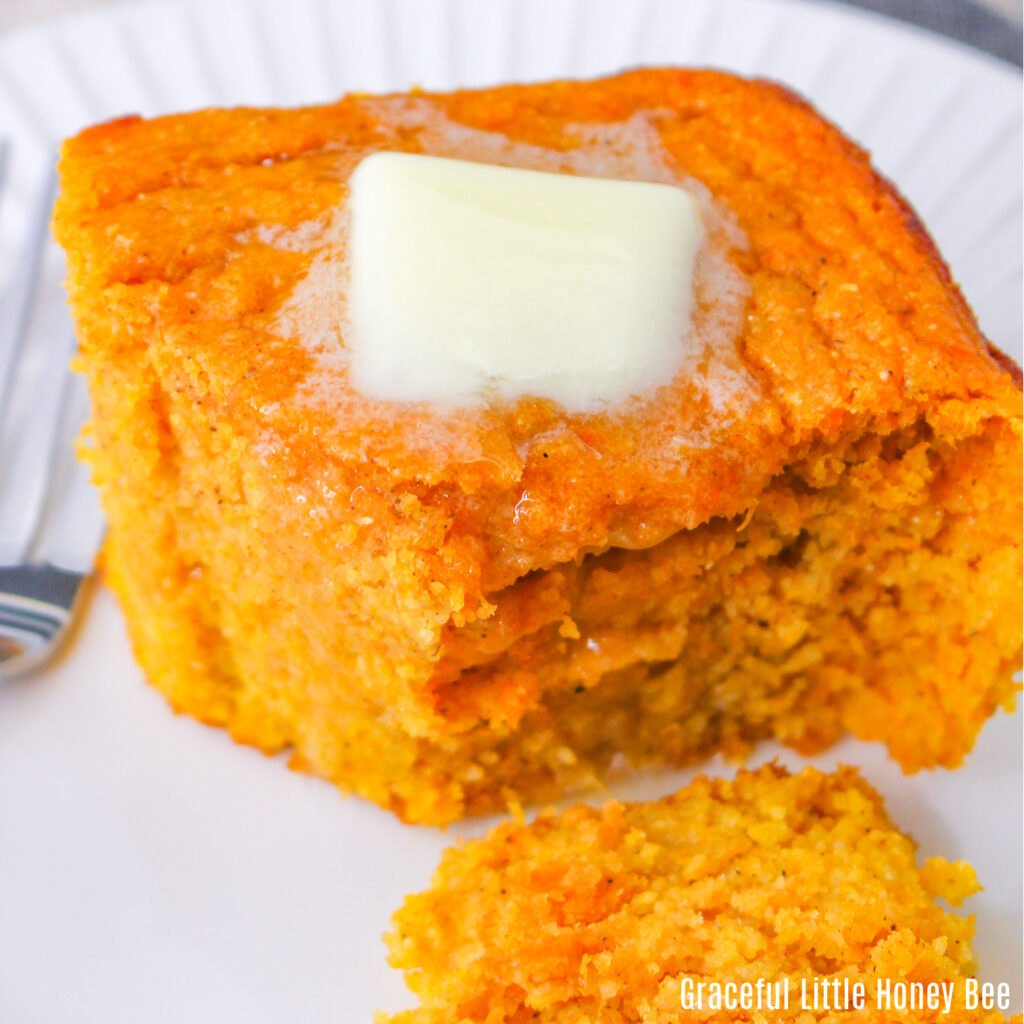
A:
(814, 528)
(598, 915)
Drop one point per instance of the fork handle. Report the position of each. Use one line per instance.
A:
(36, 605)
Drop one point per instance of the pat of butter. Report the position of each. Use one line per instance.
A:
(469, 281)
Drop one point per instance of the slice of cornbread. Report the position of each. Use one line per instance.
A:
(815, 527)
(798, 886)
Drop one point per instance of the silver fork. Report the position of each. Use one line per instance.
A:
(50, 522)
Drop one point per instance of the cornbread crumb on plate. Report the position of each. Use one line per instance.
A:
(608, 915)
(815, 527)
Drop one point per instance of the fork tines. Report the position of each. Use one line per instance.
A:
(50, 523)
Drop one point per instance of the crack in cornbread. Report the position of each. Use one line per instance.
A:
(600, 915)
(815, 528)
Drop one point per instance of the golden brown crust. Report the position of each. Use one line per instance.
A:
(168, 225)
(919, 231)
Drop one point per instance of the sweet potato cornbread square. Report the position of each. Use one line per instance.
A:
(796, 886)
(814, 527)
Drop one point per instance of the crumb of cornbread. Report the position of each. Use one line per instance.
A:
(447, 610)
(599, 914)
(954, 881)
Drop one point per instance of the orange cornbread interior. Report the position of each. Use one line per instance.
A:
(600, 914)
(817, 529)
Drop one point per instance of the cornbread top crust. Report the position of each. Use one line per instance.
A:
(216, 241)
(599, 914)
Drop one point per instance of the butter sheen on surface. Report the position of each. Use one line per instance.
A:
(470, 281)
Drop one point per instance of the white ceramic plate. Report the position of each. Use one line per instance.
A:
(152, 871)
